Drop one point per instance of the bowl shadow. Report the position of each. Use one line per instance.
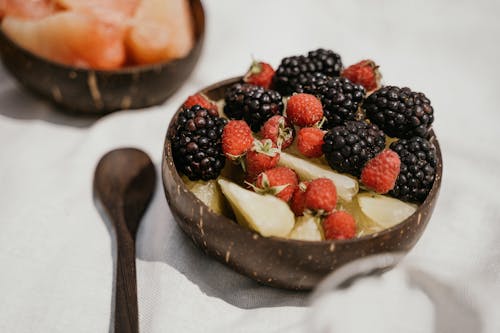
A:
(17, 103)
(161, 240)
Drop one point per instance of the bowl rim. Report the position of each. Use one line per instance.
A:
(129, 69)
(167, 150)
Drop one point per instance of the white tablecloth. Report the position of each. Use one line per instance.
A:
(56, 253)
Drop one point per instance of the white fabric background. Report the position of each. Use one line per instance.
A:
(56, 253)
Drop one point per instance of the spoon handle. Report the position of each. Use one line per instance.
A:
(126, 311)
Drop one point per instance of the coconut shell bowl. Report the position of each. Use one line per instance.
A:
(88, 91)
(273, 261)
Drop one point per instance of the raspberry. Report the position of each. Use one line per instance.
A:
(297, 203)
(310, 141)
(304, 110)
(236, 139)
(339, 96)
(321, 196)
(381, 172)
(263, 155)
(365, 73)
(259, 74)
(279, 130)
(203, 101)
(279, 181)
(339, 225)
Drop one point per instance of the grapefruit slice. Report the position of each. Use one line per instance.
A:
(125, 7)
(27, 9)
(161, 30)
(71, 38)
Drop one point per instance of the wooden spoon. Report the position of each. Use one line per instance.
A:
(124, 182)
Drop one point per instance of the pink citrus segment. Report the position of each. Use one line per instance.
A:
(27, 9)
(161, 30)
(70, 37)
(124, 7)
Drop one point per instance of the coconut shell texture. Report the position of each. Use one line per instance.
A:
(277, 262)
(90, 91)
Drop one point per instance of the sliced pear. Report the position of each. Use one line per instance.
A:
(347, 187)
(265, 214)
(209, 193)
(364, 225)
(384, 210)
(308, 228)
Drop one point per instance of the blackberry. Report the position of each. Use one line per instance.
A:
(418, 169)
(311, 82)
(339, 96)
(326, 61)
(400, 112)
(348, 147)
(252, 103)
(196, 143)
(291, 69)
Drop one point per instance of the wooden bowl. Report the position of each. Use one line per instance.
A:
(102, 91)
(278, 262)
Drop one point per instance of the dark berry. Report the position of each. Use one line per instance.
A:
(326, 62)
(196, 143)
(311, 81)
(291, 69)
(339, 96)
(418, 169)
(348, 147)
(400, 112)
(252, 103)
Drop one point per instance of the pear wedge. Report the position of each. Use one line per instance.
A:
(384, 210)
(308, 228)
(347, 187)
(209, 193)
(364, 225)
(265, 214)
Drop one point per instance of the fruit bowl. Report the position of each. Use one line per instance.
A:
(274, 261)
(90, 91)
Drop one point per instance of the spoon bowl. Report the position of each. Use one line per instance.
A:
(124, 182)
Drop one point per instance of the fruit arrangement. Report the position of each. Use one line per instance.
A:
(100, 34)
(311, 151)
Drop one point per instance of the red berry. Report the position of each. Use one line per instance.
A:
(279, 181)
(237, 139)
(297, 204)
(321, 196)
(304, 110)
(202, 101)
(310, 141)
(259, 74)
(263, 155)
(279, 130)
(380, 173)
(339, 225)
(365, 73)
